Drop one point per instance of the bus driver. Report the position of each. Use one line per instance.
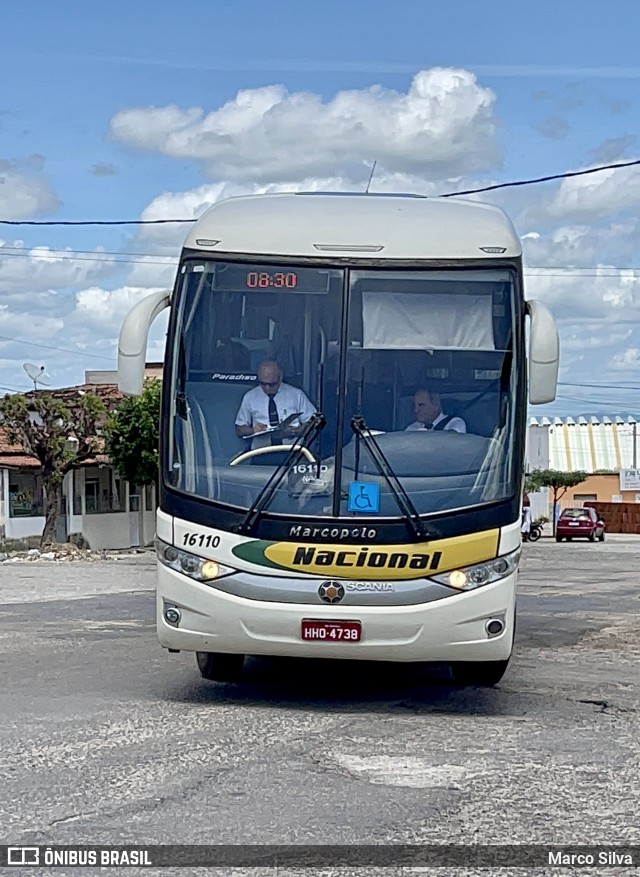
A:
(429, 415)
(269, 404)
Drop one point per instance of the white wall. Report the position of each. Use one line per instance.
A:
(537, 448)
(148, 515)
(4, 500)
(107, 531)
(539, 503)
(74, 522)
(4, 496)
(148, 528)
(20, 528)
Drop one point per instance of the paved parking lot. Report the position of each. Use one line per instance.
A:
(106, 738)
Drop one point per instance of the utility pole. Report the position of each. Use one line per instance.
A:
(635, 446)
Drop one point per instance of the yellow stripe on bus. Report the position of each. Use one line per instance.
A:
(409, 561)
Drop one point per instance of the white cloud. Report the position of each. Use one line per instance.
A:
(444, 124)
(627, 360)
(24, 192)
(151, 272)
(25, 272)
(596, 195)
(607, 295)
(26, 326)
(584, 245)
(107, 308)
(582, 338)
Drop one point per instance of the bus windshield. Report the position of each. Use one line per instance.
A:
(416, 368)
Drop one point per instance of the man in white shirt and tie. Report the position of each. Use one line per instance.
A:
(429, 415)
(269, 404)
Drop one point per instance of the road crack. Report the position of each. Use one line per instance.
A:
(605, 705)
(71, 818)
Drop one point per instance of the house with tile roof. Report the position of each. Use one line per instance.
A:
(97, 503)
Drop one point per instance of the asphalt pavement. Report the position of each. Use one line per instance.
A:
(106, 738)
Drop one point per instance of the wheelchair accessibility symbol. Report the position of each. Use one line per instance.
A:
(364, 497)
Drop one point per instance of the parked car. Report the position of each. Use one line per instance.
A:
(580, 524)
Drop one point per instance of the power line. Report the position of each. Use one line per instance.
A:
(108, 261)
(51, 347)
(48, 251)
(153, 259)
(93, 221)
(568, 267)
(71, 254)
(573, 273)
(66, 256)
(598, 386)
(15, 389)
(562, 176)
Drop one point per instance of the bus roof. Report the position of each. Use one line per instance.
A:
(355, 225)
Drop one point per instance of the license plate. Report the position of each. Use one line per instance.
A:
(330, 631)
(574, 523)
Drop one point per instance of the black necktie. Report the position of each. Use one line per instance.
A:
(427, 425)
(274, 420)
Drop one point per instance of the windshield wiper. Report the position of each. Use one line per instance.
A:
(400, 495)
(313, 428)
(181, 406)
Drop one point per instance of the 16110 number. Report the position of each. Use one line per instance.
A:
(201, 540)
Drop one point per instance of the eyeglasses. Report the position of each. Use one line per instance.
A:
(268, 383)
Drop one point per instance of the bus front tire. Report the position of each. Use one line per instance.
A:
(480, 673)
(218, 667)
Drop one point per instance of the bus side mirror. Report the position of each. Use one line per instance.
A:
(132, 343)
(544, 354)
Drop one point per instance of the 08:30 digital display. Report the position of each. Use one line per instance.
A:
(264, 279)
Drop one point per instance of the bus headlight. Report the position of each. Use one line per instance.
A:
(190, 564)
(467, 578)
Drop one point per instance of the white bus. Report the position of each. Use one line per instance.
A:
(342, 434)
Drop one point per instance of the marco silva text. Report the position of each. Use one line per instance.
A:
(608, 857)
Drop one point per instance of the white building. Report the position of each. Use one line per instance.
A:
(608, 449)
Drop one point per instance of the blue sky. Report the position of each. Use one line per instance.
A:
(107, 112)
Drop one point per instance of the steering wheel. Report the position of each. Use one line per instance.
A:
(269, 449)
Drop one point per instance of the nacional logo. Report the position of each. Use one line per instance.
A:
(372, 562)
(364, 557)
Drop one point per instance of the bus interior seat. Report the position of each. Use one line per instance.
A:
(214, 408)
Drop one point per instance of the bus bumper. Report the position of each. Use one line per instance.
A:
(451, 629)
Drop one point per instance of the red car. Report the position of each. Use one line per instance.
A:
(580, 524)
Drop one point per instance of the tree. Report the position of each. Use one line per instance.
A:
(133, 433)
(530, 484)
(559, 482)
(60, 433)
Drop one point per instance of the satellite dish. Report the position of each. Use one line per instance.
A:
(38, 374)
